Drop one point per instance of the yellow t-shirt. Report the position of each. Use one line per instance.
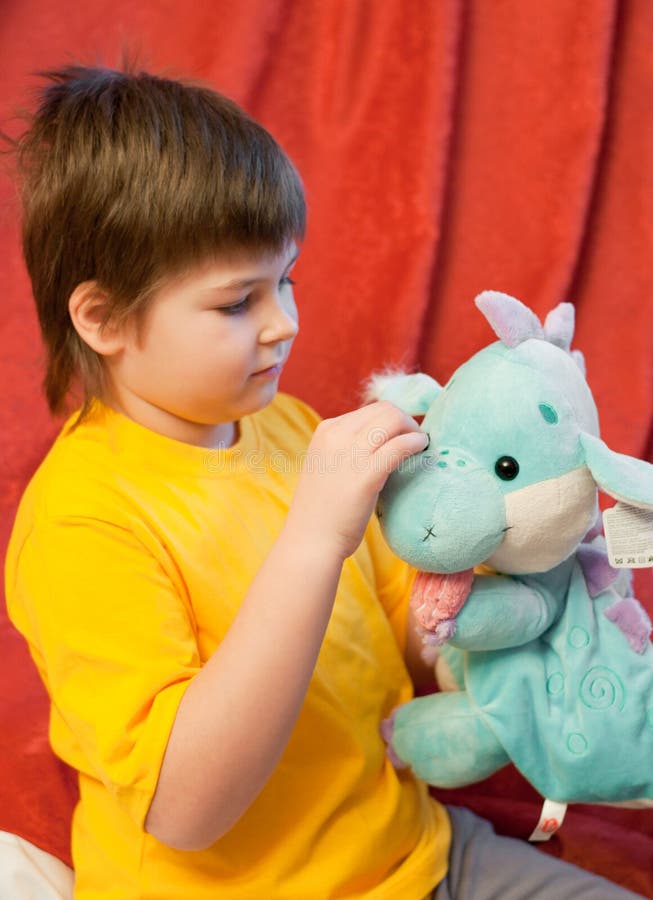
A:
(130, 555)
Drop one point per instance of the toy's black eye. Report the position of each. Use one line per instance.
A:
(506, 468)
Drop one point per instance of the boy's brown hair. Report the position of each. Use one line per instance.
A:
(129, 178)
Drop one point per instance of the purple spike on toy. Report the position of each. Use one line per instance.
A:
(597, 571)
(512, 321)
(631, 618)
(559, 325)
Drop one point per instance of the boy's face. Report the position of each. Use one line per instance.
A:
(209, 349)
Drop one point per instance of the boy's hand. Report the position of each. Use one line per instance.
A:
(347, 463)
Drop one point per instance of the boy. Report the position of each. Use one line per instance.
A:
(218, 635)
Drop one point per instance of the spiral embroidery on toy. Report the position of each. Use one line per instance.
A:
(601, 688)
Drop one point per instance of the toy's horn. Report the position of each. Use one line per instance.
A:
(512, 321)
(559, 325)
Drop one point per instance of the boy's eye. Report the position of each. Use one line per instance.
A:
(235, 308)
(241, 305)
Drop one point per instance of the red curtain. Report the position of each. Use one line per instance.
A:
(447, 146)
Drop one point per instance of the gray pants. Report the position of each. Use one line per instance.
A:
(487, 866)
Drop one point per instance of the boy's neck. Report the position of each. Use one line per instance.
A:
(227, 436)
(218, 436)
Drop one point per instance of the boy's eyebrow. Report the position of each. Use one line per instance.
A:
(248, 282)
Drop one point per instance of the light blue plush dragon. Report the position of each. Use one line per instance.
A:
(551, 659)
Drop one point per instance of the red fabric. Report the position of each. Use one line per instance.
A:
(447, 146)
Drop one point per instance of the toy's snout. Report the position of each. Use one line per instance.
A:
(443, 512)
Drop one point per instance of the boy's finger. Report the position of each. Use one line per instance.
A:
(388, 422)
(397, 450)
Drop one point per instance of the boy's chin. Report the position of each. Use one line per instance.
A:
(264, 396)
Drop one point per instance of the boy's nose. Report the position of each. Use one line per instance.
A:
(280, 325)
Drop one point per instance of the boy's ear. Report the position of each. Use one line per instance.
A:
(88, 306)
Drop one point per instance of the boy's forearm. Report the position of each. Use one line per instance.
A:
(237, 714)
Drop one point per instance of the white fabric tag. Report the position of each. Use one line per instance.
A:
(629, 536)
(551, 818)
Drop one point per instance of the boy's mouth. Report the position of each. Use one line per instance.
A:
(270, 372)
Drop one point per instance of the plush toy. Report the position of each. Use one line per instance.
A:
(549, 652)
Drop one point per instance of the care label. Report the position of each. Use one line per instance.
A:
(551, 818)
(629, 536)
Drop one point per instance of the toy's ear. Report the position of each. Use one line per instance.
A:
(622, 477)
(412, 393)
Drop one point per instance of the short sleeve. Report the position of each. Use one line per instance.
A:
(393, 579)
(115, 644)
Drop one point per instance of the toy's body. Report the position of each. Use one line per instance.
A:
(568, 707)
(552, 659)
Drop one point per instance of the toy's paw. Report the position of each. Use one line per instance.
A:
(445, 740)
(387, 731)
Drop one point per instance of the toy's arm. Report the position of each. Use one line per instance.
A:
(503, 611)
